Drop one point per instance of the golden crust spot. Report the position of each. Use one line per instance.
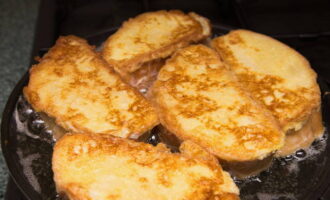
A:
(153, 35)
(289, 101)
(76, 87)
(208, 106)
(110, 167)
(283, 100)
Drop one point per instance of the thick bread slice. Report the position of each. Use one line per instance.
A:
(80, 90)
(274, 73)
(103, 167)
(198, 99)
(153, 35)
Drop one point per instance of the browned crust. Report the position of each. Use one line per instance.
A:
(310, 105)
(56, 53)
(130, 65)
(205, 23)
(229, 196)
(166, 119)
(157, 158)
(169, 121)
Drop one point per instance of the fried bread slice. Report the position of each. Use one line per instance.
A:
(198, 99)
(273, 73)
(153, 35)
(104, 167)
(80, 90)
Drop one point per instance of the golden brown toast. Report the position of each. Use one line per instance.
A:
(192, 150)
(103, 167)
(198, 99)
(273, 73)
(153, 35)
(80, 90)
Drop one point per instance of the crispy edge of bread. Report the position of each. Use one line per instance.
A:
(34, 101)
(205, 24)
(166, 118)
(192, 150)
(302, 117)
(203, 30)
(227, 190)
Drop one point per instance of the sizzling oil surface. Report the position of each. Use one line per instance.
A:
(243, 170)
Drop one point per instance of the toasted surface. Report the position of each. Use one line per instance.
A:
(77, 88)
(198, 99)
(104, 167)
(192, 150)
(153, 35)
(275, 74)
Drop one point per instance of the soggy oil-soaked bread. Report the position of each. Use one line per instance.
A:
(273, 73)
(79, 89)
(153, 35)
(103, 167)
(198, 99)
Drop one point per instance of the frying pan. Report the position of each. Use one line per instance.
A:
(27, 149)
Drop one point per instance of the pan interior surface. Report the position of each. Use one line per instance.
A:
(27, 145)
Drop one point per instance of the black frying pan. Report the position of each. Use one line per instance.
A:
(305, 175)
